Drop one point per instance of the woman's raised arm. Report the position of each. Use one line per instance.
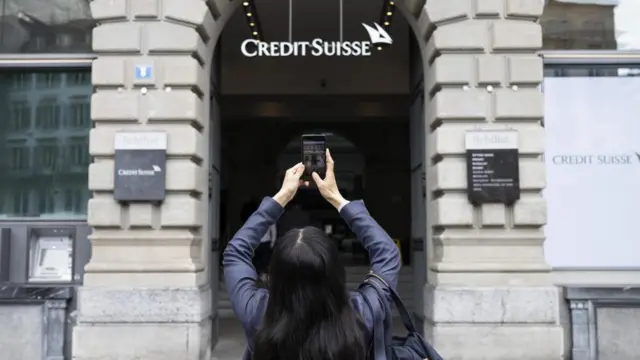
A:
(383, 252)
(239, 274)
(384, 255)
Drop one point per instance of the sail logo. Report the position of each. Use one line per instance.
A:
(378, 35)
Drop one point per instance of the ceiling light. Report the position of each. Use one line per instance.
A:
(389, 13)
(246, 3)
(386, 23)
(255, 33)
(249, 14)
(252, 24)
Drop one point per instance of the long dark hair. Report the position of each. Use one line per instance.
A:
(309, 316)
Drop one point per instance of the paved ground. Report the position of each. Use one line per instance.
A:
(231, 343)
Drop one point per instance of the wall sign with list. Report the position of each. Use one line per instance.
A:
(493, 174)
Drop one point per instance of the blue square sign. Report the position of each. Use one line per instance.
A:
(144, 72)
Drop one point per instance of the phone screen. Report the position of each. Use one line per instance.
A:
(314, 154)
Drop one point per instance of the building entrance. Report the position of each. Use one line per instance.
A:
(372, 163)
(361, 102)
(149, 287)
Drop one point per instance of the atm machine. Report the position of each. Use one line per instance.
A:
(40, 268)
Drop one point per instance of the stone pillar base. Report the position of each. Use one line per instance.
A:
(135, 324)
(496, 323)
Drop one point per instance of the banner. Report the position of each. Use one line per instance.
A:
(593, 172)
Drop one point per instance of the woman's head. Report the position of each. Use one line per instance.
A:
(305, 267)
(308, 315)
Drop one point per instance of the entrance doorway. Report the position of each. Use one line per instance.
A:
(366, 106)
(374, 166)
(350, 175)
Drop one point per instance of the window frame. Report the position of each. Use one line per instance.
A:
(45, 62)
(590, 57)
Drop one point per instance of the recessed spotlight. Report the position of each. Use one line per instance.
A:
(249, 14)
(386, 23)
(246, 3)
(252, 24)
(391, 3)
(255, 33)
(379, 47)
(389, 13)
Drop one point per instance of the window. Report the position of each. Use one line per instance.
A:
(46, 200)
(20, 81)
(47, 156)
(80, 78)
(45, 26)
(44, 143)
(48, 115)
(20, 203)
(49, 80)
(79, 112)
(19, 158)
(64, 40)
(20, 116)
(75, 201)
(79, 153)
(592, 24)
(591, 147)
(591, 70)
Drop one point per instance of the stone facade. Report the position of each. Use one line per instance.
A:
(489, 293)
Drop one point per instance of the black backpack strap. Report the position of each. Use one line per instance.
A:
(377, 335)
(379, 283)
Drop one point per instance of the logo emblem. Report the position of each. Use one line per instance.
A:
(378, 35)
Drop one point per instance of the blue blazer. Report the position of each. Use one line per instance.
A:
(249, 302)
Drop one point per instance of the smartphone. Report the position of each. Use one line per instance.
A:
(314, 154)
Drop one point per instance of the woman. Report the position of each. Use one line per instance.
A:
(261, 254)
(307, 312)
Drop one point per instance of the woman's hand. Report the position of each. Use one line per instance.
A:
(290, 184)
(328, 186)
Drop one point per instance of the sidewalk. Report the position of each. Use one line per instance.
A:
(231, 343)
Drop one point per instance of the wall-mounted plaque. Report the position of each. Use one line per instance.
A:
(140, 163)
(493, 174)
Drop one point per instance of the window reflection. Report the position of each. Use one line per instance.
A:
(44, 143)
(591, 25)
(45, 26)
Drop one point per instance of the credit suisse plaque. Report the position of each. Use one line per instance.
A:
(493, 174)
(140, 164)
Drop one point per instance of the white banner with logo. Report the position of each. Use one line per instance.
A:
(593, 172)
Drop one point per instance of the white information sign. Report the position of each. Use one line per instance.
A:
(593, 172)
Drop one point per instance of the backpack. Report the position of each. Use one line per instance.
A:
(384, 345)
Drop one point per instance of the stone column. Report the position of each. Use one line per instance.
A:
(489, 294)
(145, 293)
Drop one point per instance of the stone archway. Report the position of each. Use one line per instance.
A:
(145, 293)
